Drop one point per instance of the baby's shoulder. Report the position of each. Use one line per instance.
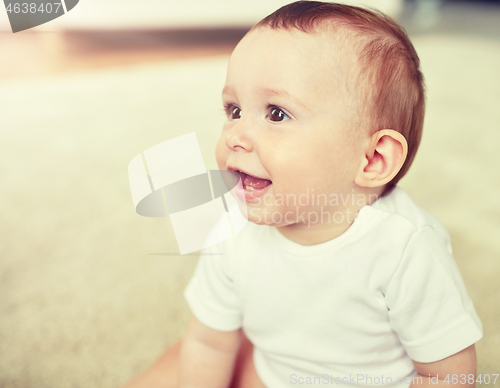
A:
(398, 213)
(399, 206)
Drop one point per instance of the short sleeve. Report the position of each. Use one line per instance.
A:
(429, 307)
(211, 293)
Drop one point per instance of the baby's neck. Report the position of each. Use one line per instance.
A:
(312, 234)
(304, 235)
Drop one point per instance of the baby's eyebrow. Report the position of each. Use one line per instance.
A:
(228, 90)
(283, 93)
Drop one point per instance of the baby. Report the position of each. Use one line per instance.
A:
(339, 278)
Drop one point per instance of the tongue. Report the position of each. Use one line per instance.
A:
(254, 182)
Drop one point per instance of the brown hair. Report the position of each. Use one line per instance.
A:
(390, 80)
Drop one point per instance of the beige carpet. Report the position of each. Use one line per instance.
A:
(87, 299)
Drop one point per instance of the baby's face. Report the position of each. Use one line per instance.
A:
(289, 123)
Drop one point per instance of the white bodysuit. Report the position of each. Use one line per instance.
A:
(345, 312)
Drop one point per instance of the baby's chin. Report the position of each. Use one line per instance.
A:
(255, 216)
(267, 216)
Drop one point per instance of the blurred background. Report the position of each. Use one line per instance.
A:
(90, 292)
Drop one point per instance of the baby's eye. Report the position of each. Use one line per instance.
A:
(277, 114)
(235, 113)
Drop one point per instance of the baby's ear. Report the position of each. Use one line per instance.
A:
(384, 157)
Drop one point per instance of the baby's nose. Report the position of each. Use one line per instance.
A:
(238, 137)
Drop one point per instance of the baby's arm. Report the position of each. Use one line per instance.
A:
(207, 356)
(460, 368)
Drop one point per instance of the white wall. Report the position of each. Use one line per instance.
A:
(140, 14)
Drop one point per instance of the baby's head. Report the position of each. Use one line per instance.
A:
(322, 99)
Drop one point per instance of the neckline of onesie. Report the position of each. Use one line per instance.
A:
(297, 249)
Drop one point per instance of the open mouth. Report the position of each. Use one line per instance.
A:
(253, 186)
(252, 182)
